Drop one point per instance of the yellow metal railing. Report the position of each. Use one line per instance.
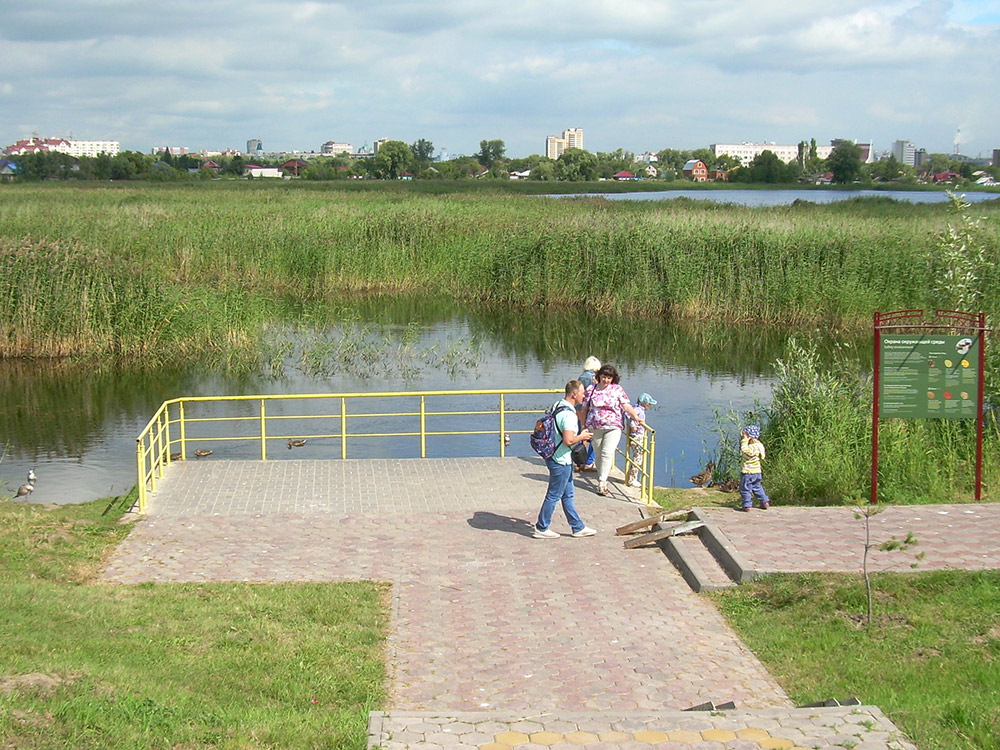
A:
(640, 456)
(174, 429)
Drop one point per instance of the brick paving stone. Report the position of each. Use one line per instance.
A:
(796, 540)
(578, 637)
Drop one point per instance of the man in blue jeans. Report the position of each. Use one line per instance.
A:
(561, 468)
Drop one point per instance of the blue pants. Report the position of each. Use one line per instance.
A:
(751, 487)
(560, 490)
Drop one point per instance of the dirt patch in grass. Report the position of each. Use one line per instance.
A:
(859, 620)
(35, 682)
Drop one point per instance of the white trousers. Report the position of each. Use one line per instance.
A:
(605, 443)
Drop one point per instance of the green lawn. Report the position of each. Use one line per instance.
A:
(930, 661)
(90, 665)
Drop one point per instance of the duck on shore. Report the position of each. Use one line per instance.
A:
(704, 478)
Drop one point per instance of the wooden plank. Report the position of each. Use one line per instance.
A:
(655, 536)
(642, 523)
(639, 541)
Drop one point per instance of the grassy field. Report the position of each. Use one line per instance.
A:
(195, 270)
(91, 665)
(930, 660)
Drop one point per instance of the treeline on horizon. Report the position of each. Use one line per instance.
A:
(396, 160)
(193, 271)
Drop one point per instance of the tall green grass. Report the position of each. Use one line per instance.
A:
(194, 268)
(817, 430)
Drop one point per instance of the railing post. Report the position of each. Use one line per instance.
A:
(343, 427)
(161, 447)
(503, 430)
(263, 431)
(152, 464)
(423, 428)
(166, 433)
(180, 414)
(141, 469)
(651, 457)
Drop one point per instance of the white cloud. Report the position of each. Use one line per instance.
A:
(645, 74)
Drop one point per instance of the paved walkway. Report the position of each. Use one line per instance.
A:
(795, 540)
(498, 640)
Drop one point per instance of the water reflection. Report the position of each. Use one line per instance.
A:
(76, 423)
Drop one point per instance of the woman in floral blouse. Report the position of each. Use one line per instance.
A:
(602, 414)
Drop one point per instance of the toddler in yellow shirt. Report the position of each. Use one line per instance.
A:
(751, 485)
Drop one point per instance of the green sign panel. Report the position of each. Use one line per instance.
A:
(929, 376)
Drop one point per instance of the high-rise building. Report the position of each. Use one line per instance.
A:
(254, 147)
(555, 145)
(905, 152)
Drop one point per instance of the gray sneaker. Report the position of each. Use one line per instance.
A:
(585, 531)
(547, 534)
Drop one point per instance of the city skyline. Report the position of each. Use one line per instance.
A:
(642, 76)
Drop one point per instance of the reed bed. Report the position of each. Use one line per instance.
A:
(192, 269)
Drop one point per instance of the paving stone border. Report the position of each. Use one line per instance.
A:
(842, 728)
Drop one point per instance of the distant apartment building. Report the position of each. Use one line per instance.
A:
(68, 146)
(556, 145)
(379, 143)
(996, 157)
(93, 148)
(746, 152)
(254, 147)
(334, 147)
(905, 153)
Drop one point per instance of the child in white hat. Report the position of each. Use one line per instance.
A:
(636, 434)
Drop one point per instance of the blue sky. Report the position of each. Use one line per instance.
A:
(634, 74)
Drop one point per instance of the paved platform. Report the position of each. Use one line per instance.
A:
(559, 643)
(831, 539)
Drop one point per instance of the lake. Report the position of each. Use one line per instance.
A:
(76, 424)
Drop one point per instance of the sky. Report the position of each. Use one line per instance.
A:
(641, 75)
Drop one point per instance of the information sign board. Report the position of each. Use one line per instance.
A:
(925, 375)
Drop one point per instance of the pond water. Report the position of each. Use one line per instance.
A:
(76, 424)
(787, 197)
